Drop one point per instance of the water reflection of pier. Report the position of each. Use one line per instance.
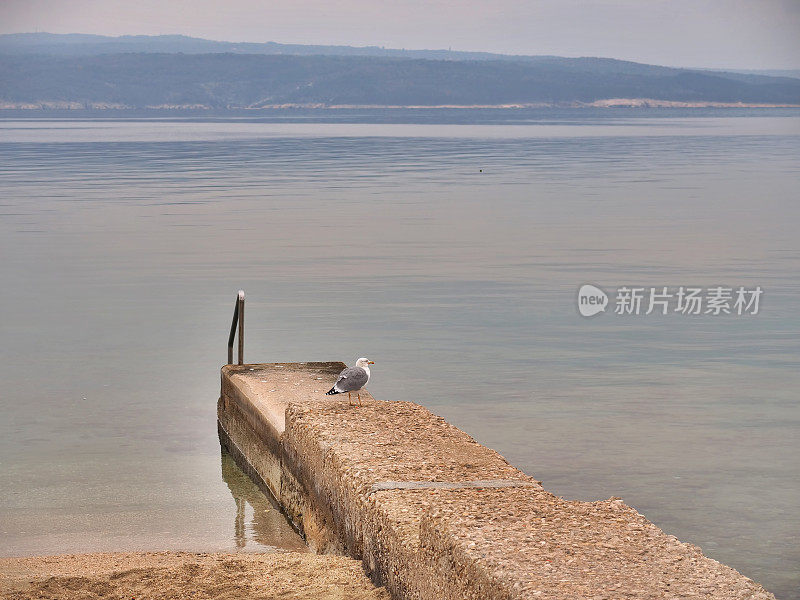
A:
(268, 527)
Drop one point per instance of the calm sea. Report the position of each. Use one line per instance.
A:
(448, 246)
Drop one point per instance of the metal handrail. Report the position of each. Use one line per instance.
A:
(238, 318)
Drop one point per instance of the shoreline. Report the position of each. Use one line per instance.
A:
(177, 575)
(604, 103)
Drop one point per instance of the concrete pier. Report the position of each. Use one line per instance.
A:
(435, 515)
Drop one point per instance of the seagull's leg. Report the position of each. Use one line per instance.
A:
(349, 400)
(359, 399)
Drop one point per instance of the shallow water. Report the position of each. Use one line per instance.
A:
(448, 247)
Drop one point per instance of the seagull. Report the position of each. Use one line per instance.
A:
(352, 379)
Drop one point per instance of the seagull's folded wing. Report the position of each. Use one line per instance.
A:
(351, 379)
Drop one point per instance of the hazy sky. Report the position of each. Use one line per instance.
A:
(757, 34)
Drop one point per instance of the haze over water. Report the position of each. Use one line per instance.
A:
(448, 246)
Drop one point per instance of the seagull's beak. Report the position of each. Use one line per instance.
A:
(371, 362)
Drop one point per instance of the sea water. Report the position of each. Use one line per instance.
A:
(447, 246)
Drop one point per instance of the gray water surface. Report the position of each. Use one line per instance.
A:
(450, 252)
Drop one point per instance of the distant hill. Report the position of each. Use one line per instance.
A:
(76, 44)
(175, 71)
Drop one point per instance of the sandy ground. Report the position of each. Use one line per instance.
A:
(173, 575)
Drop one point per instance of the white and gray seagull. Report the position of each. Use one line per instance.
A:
(352, 379)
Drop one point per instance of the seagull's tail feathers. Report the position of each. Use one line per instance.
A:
(333, 391)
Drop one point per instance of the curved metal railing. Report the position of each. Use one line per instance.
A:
(238, 319)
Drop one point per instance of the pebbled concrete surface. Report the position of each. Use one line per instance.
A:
(525, 543)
